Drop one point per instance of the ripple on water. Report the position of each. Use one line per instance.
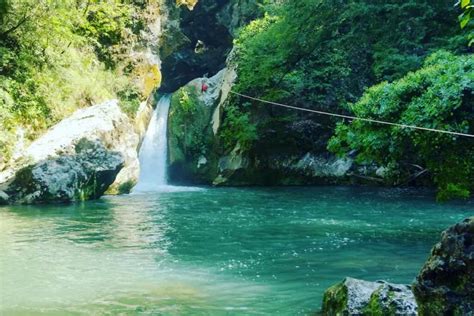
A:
(212, 251)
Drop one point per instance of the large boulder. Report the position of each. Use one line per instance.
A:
(193, 156)
(358, 297)
(77, 159)
(445, 285)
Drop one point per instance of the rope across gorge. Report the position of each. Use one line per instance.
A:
(354, 117)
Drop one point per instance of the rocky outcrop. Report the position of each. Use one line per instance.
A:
(196, 42)
(196, 155)
(77, 159)
(445, 285)
(358, 297)
(192, 144)
(287, 151)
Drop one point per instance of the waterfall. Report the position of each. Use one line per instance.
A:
(154, 150)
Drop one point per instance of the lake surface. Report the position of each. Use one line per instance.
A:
(262, 251)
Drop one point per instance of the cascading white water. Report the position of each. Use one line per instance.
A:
(154, 150)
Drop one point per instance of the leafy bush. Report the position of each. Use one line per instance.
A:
(188, 105)
(105, 27)
(58, 56)
(440, 95)
(465, 19)
(237, 129)
(325, 53)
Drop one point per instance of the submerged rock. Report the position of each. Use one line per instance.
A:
(445, 285)
(358, 297)
(77, 159)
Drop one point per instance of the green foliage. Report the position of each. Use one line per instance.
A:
(324, 53)
(187, 119)
(439, 95)
(58, 56)
(465, 18)
(130, 97)
(451, 191)
(188, 105)
(105, 27)
(126, 187)
(237, 129)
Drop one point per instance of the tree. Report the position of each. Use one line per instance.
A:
(465, 18)
(440, 96)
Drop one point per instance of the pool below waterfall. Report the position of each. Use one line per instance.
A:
(245, 251)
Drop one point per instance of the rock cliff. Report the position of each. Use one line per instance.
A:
(196, 42)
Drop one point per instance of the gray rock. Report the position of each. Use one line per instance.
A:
(211, 25)
(85, 175)
(445, 285)
(349, 297)
(358, 297)
(392, 299)
(319, 166)
(77, 159)
(191, 140)
(4, 198)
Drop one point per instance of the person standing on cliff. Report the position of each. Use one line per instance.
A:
(204, 87)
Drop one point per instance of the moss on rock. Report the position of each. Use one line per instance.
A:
(358, 297)
(190, 139)
(335, 299)
(445, 285)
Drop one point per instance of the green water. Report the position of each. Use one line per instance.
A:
(212, 252)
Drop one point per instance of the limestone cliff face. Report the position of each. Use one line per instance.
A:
(196, 42)
(197, 155)
(192, 127)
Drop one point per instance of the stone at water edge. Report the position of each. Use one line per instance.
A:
(392, 299)
(77, 159)
(445, 285)
(348, 297)
(82, 176)
(358, 297)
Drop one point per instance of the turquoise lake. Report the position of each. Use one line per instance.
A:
(242, 251)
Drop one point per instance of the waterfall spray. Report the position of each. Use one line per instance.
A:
(154, 150)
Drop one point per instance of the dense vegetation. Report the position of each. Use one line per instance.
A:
(325, 54)
(57, 56)
(440, 95)
(405, 61)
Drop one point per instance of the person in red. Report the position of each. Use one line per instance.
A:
(204, 87)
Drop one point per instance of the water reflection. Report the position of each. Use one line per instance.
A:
(140, 223)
